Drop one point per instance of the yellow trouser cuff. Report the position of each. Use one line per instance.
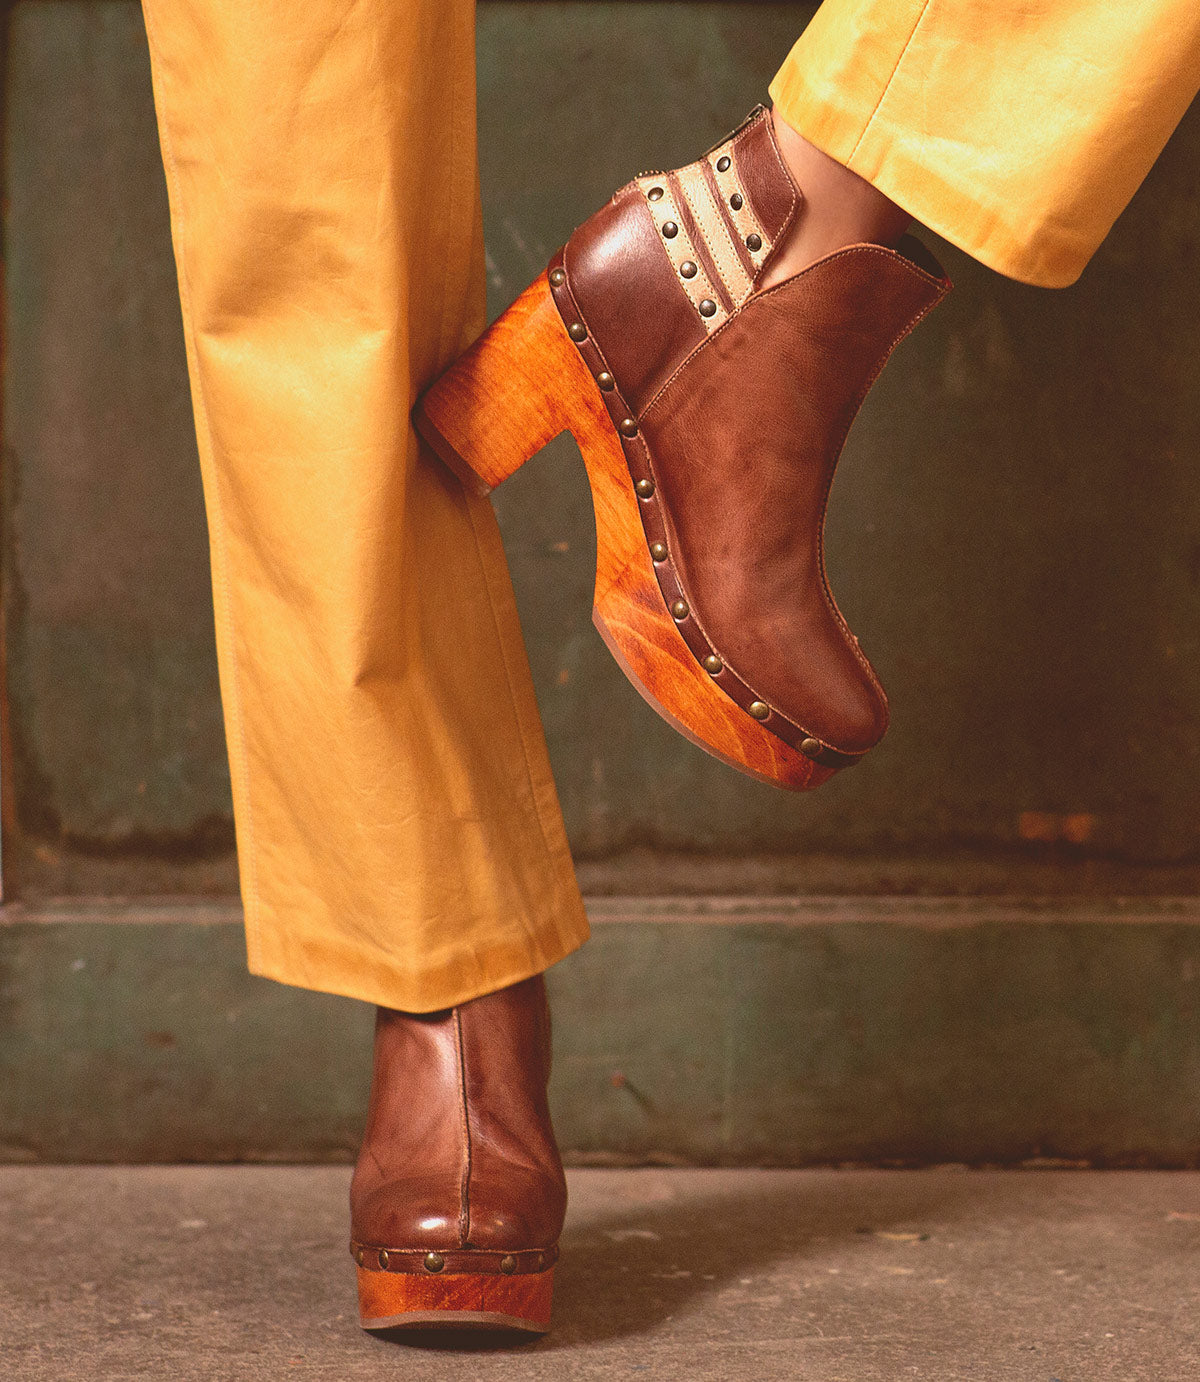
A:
(1018, 133)
(959, 214)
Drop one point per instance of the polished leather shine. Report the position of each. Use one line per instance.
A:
(458, 1157)
(615, 262)
(741, 415)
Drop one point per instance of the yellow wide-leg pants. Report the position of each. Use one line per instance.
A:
(1017, 131)
(399, 835)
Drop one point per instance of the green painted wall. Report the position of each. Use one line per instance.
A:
(820, 1032)
(1014, 533)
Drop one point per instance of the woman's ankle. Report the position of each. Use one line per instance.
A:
(840, 208)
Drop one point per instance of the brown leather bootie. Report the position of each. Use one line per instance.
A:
(710, 416)
(458, 1196)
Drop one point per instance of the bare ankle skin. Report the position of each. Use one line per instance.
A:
(840, 208)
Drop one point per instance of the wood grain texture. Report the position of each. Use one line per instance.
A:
(509, 394)
(486, 1300)
(520, 385)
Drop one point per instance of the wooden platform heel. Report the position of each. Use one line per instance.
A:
(458, 1196)
(517, 388)
(425, 1295)
(711, 413)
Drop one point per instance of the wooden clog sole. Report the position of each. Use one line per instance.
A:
(484, 1300)
(519, 386)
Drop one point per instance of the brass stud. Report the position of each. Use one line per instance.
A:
(736, 201)
(759, 710)
(810, 747)
(655, 194)
(723, 163)
(606, 381)
(658, 550)
(434, 1261)
(754, 241)
(383, 1258)
(508, 1264)
(359, 1256)
(645, 488)
(541, 1260)
(577, 331)
(713, 664)
(627, 427)
(707, 307)
(679, 610)
(557, 277)
(687, 269)
(670, 230)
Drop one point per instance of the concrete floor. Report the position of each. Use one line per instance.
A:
(201, 1274)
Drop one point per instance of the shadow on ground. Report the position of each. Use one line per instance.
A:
(627, 1268)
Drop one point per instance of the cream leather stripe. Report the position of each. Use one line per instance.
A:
(680, 250)
(745, 220)
(714, 230)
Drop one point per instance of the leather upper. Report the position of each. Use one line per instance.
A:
(459, 1152)
(625, 275)
(742, 400)
(743, 443)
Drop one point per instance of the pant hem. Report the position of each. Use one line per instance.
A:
(1043, 256)
(454, 979)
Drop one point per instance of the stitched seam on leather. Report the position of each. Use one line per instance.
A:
(776, 287)
(702, 252)
(682, 248)
(831, 604)
(578, 314)
(739, 223)
(673, 566)
(848, 637)
(732, 218)
(708, 213)
(378, 1164)
(696, 289)
(785, 171)
(464, 1210)
(851, 641)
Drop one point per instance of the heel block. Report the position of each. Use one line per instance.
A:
(514, 390)
(475, 1300)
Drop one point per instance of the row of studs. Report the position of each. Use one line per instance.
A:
(703, 206)
(681, 252)
(747, 224)
(627, 426)
(435, 1262)
(645, 490)
(715, 230)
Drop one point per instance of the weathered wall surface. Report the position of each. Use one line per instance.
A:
(1014, 533)
(792, 1033)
